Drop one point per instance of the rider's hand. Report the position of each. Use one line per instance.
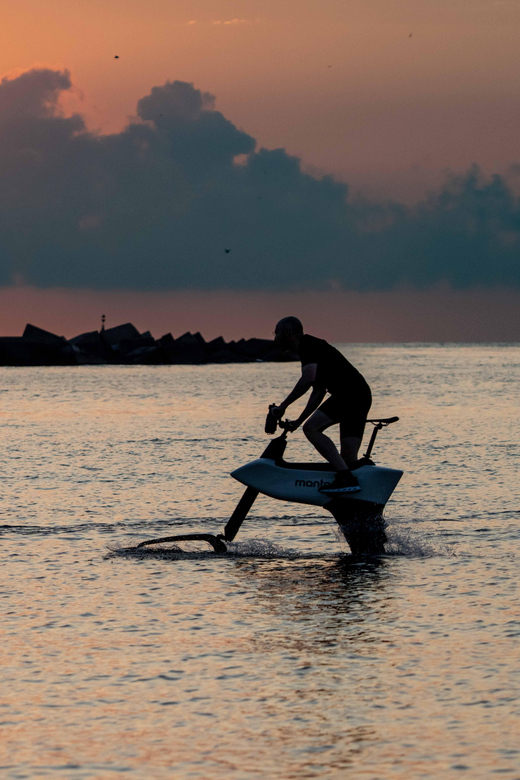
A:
(291, 425)
(277, 411)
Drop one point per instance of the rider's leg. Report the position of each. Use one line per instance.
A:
(352, 428)
(313, 429)
(349, 449)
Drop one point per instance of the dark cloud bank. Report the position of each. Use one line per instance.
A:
(155, 207)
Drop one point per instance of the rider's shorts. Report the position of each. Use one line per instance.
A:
(349, 411)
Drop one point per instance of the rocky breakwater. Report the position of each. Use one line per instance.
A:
(125, 345)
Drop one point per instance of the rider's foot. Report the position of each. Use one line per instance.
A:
(344, 482)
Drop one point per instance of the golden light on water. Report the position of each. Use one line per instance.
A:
(285, 658)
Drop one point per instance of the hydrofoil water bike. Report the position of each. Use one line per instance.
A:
(358, 514)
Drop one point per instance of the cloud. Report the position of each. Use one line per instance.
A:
(33, 94)
(155, 207)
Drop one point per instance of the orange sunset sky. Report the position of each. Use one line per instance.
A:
(386, 96)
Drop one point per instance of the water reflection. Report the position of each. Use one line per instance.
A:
(318, 605)
(337, 585)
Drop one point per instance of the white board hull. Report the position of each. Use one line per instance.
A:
(300, 484)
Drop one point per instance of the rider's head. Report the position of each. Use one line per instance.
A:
(288, 332)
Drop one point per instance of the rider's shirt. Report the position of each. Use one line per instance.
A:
(334, 372)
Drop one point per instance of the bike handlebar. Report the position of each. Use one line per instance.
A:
(272, 422)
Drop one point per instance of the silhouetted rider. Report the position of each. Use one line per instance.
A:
(325, 369)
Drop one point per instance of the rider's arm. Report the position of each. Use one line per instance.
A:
(306, 380)
(315, 399)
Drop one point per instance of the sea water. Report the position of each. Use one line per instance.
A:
(286, 658)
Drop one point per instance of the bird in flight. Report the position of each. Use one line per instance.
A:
(227, 251)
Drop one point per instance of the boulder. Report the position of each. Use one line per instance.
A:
(90, 348)
(189, 349)
(21, 351)
(113, 336)
(166, 341)
(32, 333)
(151, 355)
(82, 358)
(279, 356)
(200, 339)
(239, 349)
(258, 348)
(189, 354)
(226, 356)
(190, 338)
(216, 344)
(17, 351)
(167, 345)
(128, 346)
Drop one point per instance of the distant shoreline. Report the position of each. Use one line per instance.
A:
(124, 345)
